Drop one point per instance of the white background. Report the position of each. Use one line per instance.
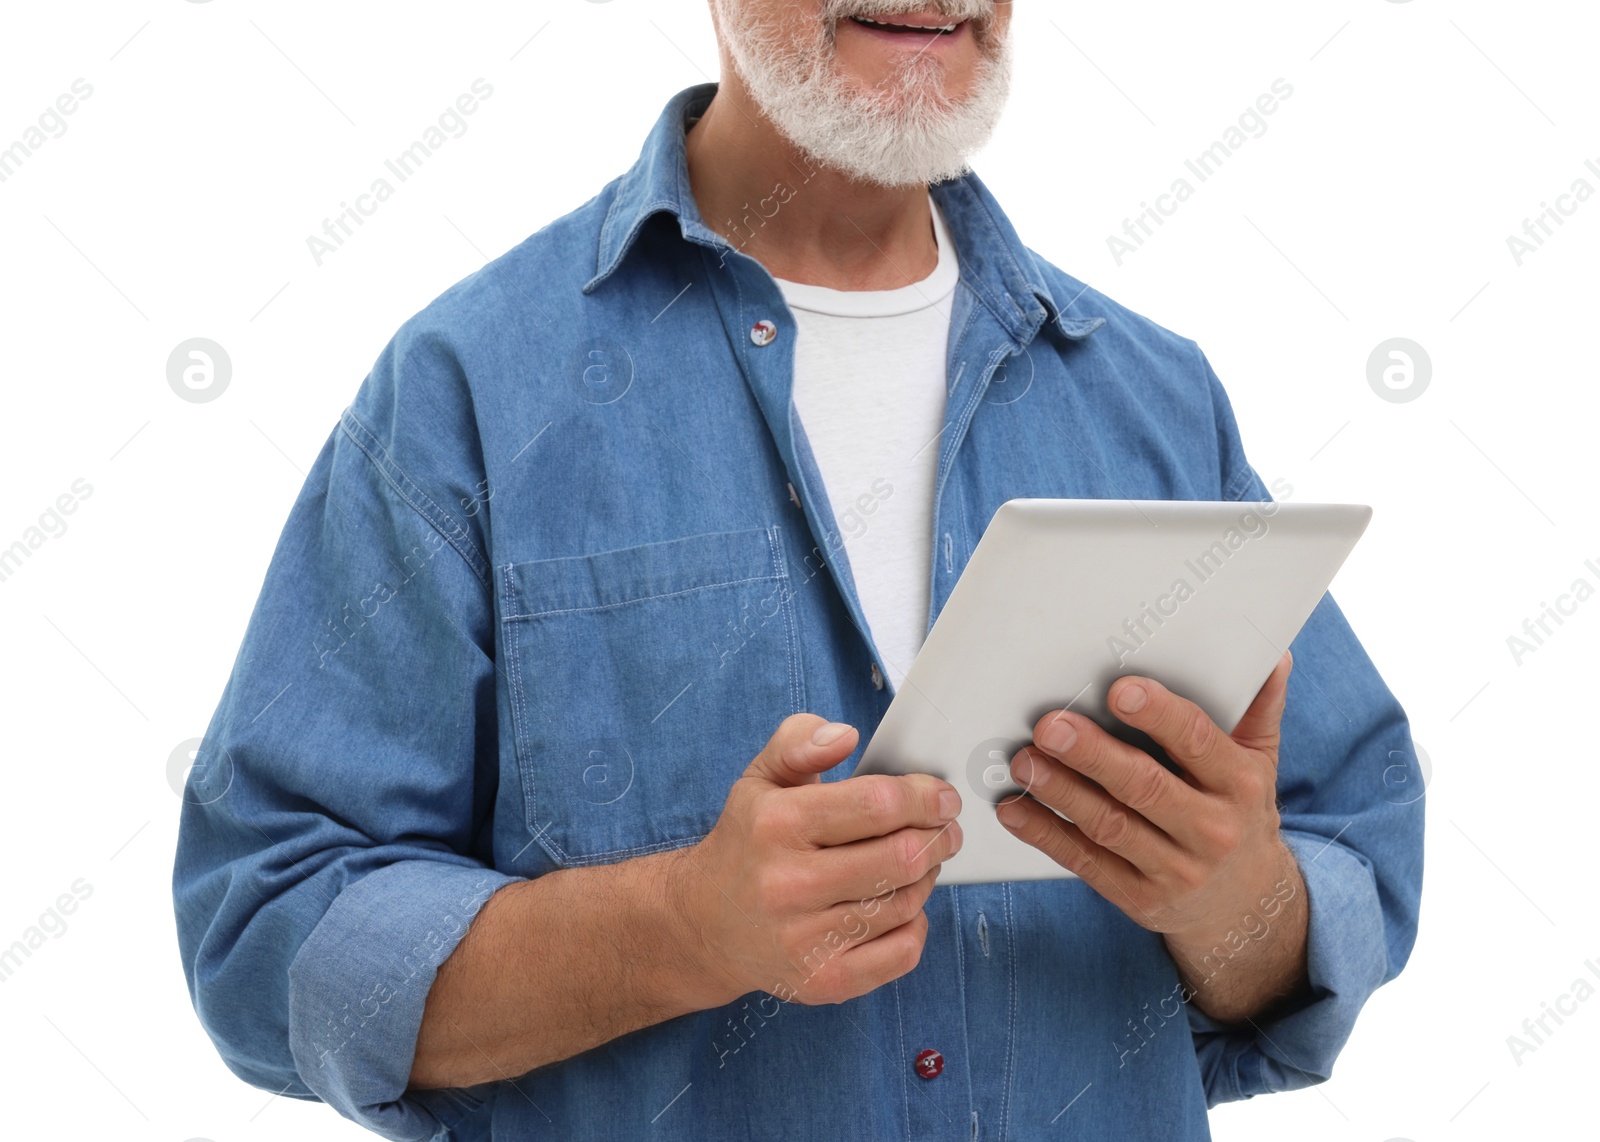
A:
(220, 135)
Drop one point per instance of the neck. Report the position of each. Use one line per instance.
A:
(802, 221)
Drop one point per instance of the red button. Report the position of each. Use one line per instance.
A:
(929, 1063)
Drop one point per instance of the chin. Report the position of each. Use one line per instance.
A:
(880, 118)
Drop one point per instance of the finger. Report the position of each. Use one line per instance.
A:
(860, 869)
(890, 956)
(872, 805)
(833, 973)
(1258, 729)
(1063, 842)
(1180, 727)
(1099, 815)
(1129, 774)
(870, 917)
(793, 756)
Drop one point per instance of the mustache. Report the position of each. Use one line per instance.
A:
(955, 11)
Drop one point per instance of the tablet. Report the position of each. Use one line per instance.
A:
(1063, 597)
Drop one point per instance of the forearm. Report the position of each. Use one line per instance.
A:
(1245, 964)
(553, 966)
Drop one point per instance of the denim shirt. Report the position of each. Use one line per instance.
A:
(558, 573)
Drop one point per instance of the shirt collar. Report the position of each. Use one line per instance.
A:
(995, 264)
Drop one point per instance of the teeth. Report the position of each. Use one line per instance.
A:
(946, 28)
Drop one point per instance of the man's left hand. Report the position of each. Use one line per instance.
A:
(1197, 856)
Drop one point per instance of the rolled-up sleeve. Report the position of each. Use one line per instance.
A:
(333, 845)
(1350, 792)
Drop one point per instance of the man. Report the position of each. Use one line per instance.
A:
(527, 811)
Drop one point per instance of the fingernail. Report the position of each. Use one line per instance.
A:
(828, 732)
(949, 805)
(1012, 813)
(955, 837)
(1058, 736)
(1132, 698)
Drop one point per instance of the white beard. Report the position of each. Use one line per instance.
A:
(905, 132)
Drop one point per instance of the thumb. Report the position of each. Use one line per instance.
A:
(1258, 728)
(792, 756)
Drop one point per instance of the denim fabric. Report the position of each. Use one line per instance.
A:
(546, 592)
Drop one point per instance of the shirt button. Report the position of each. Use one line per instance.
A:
(763, 333)
(877, 677)
(929, 1063)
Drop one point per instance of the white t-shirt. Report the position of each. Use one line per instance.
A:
(869, 390)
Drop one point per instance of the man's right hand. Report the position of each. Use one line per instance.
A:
(812, 891)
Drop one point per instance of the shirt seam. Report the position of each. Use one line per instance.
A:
(961, 985)
(1237, 486)
(970, 407)
(905, 1081)
(1017, 320)
(941, 471)
(413, 496)
(1011, 1003)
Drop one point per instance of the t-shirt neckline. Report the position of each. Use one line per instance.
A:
(883, 302)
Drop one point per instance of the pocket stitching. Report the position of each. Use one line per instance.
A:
(531, 821)
(642, 598)
(519, 718)
(791, 635)
(577, 860)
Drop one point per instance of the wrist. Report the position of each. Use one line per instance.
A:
(692, 975)
(1252, 953)
(1271, 902)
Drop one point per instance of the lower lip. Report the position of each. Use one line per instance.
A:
(918, 41)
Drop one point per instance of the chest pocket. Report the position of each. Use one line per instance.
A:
(642, 681)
